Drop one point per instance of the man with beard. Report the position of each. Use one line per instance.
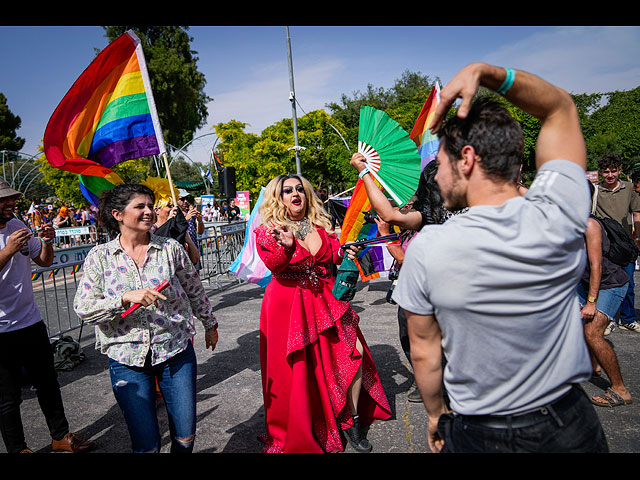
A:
(24, 341)
(495, 288)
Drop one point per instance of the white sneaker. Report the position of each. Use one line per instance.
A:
(610, 328)
(633, 326)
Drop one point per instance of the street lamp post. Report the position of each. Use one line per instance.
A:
(292, 99)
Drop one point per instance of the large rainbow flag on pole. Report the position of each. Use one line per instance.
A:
(426, 141)
(107, 117)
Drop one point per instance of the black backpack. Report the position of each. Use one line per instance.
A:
(622, 248)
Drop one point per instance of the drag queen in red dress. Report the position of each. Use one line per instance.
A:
(318, 377)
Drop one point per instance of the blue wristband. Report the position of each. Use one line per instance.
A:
(508, 82)
(363, 172)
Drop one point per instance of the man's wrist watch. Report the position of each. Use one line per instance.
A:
(591, 299)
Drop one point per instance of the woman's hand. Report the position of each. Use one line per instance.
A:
(144, 297)
(211, 338)
(283, 236)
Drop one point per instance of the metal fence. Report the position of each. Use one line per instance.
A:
(54, 287)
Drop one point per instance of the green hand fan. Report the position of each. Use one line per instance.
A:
(391, 156)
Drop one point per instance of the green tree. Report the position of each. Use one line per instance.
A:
(9, 125)
(402, 102)
(177, 85)
(614, 127)
(324, 157)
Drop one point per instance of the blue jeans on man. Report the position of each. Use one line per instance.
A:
(627, 309)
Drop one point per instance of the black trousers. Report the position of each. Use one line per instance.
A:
(28, 349)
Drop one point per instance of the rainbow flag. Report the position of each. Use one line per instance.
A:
(426, 141)
(107, 117)
(374, 259)
(248, 265)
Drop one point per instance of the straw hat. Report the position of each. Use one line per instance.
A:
(6, 190)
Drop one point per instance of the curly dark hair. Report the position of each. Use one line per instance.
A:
(428, 197)
(117, 199)
(494, 134)
(611, 161)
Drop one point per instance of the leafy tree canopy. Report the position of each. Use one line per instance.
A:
(178, 86)
(9, 125)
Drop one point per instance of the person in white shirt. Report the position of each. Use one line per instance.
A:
(24, 340)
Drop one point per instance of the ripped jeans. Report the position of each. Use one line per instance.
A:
(135, 392)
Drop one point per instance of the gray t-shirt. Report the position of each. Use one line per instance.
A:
(17, 306)
(501, 282)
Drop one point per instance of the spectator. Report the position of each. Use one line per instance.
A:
(615, 198)
(601, 291)
(233, 212)
(24, 341)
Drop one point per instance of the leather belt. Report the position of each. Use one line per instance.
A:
(522, 420)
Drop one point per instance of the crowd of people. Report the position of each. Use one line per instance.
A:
(498, 357)
(221, 211)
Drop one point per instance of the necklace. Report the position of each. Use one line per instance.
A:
(300, 228)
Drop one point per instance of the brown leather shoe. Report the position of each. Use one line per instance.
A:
(71, 443)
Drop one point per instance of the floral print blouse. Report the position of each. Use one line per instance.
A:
(109, 272)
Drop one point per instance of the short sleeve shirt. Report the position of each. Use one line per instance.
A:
(618, 204)
(17, 306)
(501, 283)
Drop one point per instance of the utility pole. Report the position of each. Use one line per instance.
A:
(292, 99)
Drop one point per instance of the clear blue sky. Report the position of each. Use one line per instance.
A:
(247, 69)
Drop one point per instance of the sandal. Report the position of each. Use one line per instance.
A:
(609, 399)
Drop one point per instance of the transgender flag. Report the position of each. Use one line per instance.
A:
(426, 141)
(248, 265)
(108, 116)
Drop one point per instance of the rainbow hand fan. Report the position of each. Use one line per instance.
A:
(391, 156)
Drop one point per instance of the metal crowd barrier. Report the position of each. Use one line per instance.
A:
(54, 287)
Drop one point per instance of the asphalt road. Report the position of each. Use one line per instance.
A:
(229, 408)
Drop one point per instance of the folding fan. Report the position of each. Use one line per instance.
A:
(391, 156)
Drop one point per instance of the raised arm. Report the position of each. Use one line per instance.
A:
(560, 133)
(408, 219)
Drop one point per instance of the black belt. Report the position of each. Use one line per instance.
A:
(521, 420)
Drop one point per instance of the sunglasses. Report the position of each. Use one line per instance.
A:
(289, 190)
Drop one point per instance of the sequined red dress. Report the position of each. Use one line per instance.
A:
(307, 352)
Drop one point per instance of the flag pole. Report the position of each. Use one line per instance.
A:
(166, 165)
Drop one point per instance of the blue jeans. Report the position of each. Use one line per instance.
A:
(627, 309)
(608, 301)
(568, 425)
(135, 392)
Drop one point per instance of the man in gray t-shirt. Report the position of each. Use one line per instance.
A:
(495, 289)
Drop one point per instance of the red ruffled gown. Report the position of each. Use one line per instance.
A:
(307, 352)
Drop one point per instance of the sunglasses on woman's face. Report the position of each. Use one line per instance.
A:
(289, 190)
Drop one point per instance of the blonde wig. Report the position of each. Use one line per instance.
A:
(273, 211)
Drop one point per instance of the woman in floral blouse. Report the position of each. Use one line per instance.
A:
(153, 341)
